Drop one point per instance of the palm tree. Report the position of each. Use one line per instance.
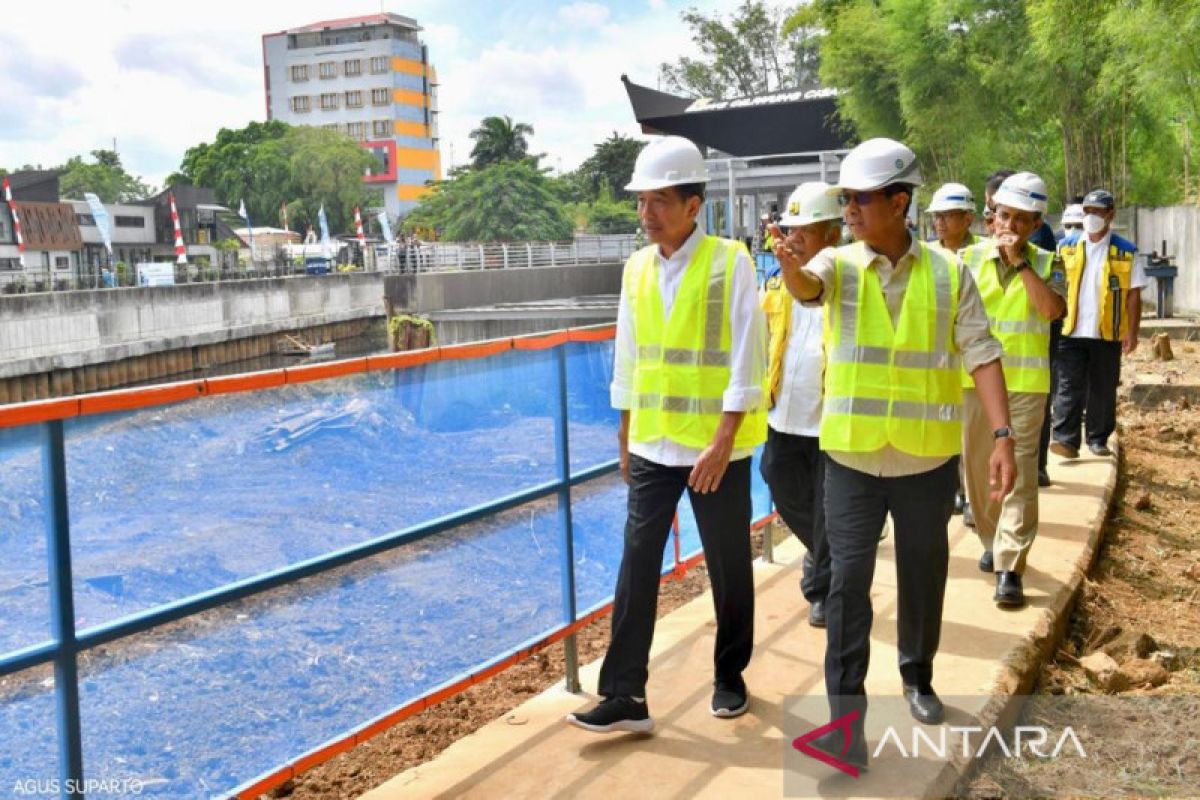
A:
(498, 139)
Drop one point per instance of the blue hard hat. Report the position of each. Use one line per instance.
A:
(1098, 198)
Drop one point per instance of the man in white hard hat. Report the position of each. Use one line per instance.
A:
(792, 463)
(953, 212)
(688, 380)
(901, 317)
(1022, 293)
(1072, 221)
(1104, 312)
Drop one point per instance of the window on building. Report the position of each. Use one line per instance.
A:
(62, 262)
(130, 222)
(332, 126)
(380, 97)
(328, 69)
(381, 127)
(85, 219)
(299, 73)
(356, 130)
(9, 264)
(329, 101)
(352, 66)
(301, 104)
(379, 65)
(354, 99)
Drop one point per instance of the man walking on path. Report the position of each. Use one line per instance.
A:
(688, 380)
(1104, 312)
(792, 463)
(901, 319)
(1022, 294)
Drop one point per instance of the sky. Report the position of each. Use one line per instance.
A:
(77, 75)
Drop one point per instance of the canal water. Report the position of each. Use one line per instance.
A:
(171, 501)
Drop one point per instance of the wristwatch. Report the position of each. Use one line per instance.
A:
(1002, 433)
(1020, 265)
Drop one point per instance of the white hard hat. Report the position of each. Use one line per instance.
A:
(877, 163)
(952, 197)
(1024, 191)
(669, 161)
(811, 202)
(1073, 214)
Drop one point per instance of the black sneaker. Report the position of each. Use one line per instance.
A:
(729, 701)
(1100, 450)
(1044, 478)
(613, 715)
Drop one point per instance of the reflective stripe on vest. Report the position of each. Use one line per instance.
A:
(891, 383)
(1111, 299)
(1013, 318)
(682, 362)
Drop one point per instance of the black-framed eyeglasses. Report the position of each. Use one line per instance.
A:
(1074, 226)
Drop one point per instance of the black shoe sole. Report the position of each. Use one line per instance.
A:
(620, 726)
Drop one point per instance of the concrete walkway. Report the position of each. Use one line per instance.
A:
(987, 656)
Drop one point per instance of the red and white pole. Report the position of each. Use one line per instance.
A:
(358, 228)
(180, 250)
(16, 218)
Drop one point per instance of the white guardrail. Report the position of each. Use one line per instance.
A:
(465, 256)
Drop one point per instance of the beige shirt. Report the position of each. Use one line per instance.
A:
(971, 335)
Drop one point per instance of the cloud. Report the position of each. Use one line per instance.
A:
(197, 62)
(39, 77)
(583, 15)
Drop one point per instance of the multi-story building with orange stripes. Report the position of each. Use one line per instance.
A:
(370, 78)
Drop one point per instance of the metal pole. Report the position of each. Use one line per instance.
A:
(562, 441)
(62, 611)
(768, 542)
(731, 200)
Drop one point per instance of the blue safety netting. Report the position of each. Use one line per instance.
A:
(170, 501)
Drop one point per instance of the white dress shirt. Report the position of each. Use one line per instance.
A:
(798, 407)
(1087, 319)
(748, 337)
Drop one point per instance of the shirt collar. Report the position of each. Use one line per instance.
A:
(914, 250)
(684, 253)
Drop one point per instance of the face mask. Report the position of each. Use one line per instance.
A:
(1094, 223)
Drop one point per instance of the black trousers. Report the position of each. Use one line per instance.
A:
(723, 518)
(794, 468)
(1088, 373)
(1047, 420)
(856, 505)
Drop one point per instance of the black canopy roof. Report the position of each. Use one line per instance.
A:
(767, 124)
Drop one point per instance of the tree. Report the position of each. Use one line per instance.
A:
(267, 164)
(498, 139)
(751, 54)
(610, 166)
(974, 85)
(606, 215)
(505, 201)
(106, 178)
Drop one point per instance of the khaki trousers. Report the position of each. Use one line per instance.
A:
(1007, 528)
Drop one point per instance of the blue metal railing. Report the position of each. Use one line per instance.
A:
(66, 643)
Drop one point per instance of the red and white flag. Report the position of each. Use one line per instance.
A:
(362, 240)
(180, 250)
(16, 218)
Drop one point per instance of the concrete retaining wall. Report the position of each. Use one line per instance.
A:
(42, 333)
(421, 294)
(1180, 227)
(64, 330)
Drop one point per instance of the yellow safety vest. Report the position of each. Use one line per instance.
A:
(777, 304)
(1015, 322)
(1113, 289)
(682, 364)
(892, 384)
